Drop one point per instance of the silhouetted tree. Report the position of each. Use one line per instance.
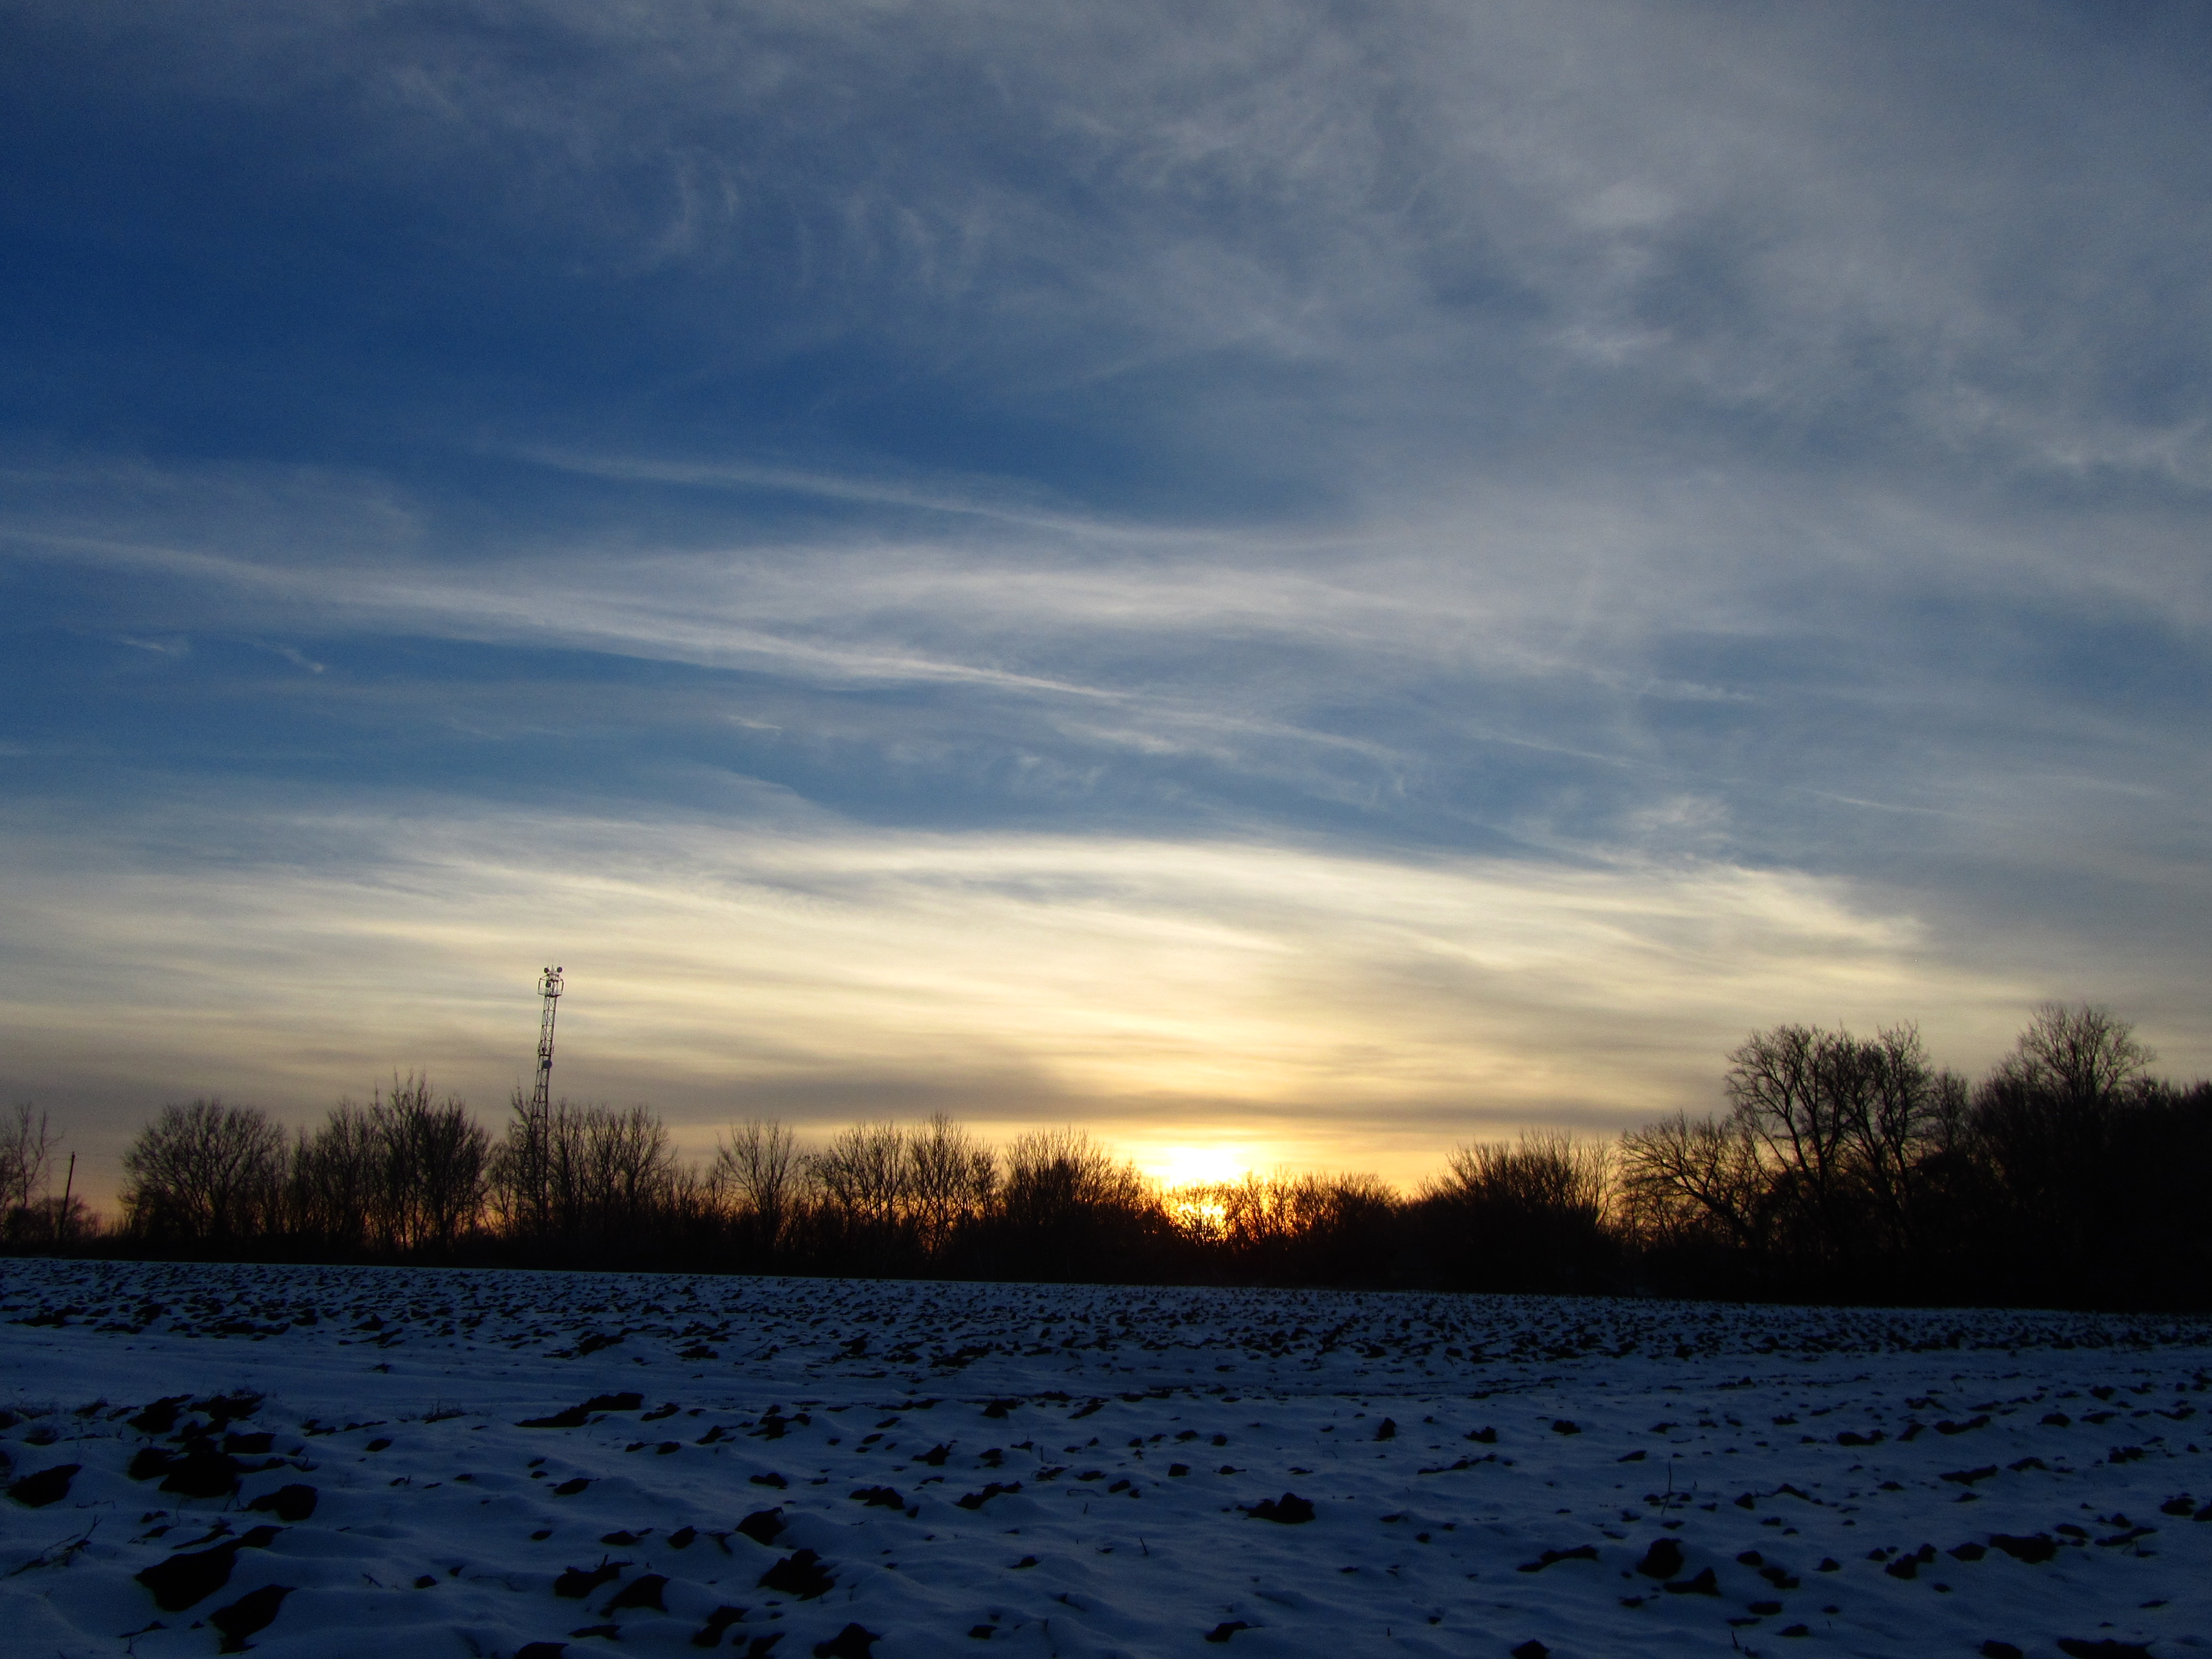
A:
(1695, 1185)
(27, 1145)
(335, 1181)
(1067, 1208)
(1284, 1228)
(950, 1180)
(1899, 1112)
(2050, 1129)
(1839, 1128)
(1529, 1215)
(403, 1176)
(431, 1158)
(861, 1179)
(755, 1180)
(1856, 1168)
(587, 1181)
(205, 1172)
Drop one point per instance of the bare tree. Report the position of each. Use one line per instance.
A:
(862, 1176)
(757, 1174)
(1897, 1110)
(582, 1170)
(1055, 1174)
(205, 1171)
(1679, 1177)
(629, 1166)
(403, 1176)
(1836, 1153)
(1782, 1086)
(1547, 1172)
(1282, 1228)
(521, 1175)
(27, 1145)
(1842, 1124)
(336, 1178)
(2048, 1123)
(1254, 1213)
(2085, 1054)
(432, 1157)
(1258, 1212)
(1530, 1215)
(950, 1178)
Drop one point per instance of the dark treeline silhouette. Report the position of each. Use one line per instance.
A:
(1842, 1168)
(1850, 1168)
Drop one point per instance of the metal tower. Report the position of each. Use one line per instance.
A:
(541, 1100)
(535, 1174)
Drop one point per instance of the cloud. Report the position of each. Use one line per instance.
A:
(1356, 249)
(1216, 488)
(1846, 679)
(1354, 1008)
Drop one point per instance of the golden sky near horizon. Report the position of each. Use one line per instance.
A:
(1204, 1008)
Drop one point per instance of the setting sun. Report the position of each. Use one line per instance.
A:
(1197, 1166)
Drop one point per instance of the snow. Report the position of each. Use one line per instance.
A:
(1077, 1470)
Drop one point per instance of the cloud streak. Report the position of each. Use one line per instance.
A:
(1277, 475)
(1342, 1009)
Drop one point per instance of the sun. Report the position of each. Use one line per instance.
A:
(1200, 1166)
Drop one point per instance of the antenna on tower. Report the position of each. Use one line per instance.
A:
(538, 1123)
(548, 988)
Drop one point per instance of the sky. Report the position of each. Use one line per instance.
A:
(1290, 584)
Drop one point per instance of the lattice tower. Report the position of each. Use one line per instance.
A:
(541, 1099)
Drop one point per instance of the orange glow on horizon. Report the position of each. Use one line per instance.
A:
(1196, 1166)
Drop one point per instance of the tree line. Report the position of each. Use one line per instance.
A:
(1850, 1166)
(1842, 1168)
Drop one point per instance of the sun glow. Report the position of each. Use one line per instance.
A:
(1186, 1171)
(1198, 1166)
(1198, 1218)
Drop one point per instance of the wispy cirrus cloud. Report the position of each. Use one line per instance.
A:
(1579, 467)
(1334, 1008)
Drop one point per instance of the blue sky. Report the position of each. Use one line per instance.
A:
(1312, 581)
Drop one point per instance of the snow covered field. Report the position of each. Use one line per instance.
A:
(333, 1461)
